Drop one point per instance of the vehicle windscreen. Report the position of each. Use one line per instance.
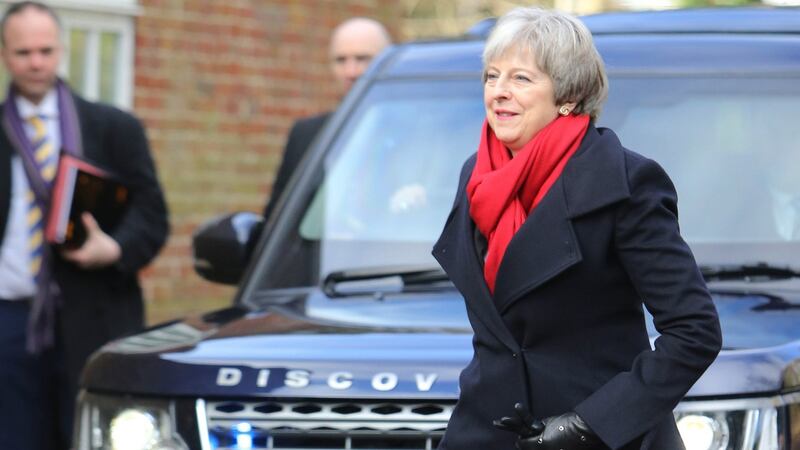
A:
(730, 145)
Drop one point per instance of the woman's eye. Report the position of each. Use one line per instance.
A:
(491, 76)
(521, 78)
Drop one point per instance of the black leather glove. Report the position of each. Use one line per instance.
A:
(565, 432)
(521, 423)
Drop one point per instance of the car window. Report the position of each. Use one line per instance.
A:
(729, 144)
(396, 180)
(389, 177)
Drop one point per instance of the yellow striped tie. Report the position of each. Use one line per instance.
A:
(46, 159)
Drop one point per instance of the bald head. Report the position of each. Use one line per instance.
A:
(353, 45)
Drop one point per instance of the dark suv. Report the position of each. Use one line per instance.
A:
(344, 334)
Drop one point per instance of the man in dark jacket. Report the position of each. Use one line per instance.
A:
(56, 305)
(353, 45)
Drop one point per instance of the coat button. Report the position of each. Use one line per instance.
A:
(513, 355)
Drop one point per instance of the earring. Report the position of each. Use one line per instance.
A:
(564, 110)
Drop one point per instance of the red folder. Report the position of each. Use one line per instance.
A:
(79, 187)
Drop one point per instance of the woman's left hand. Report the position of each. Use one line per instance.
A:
(567, 431)
(522, 423)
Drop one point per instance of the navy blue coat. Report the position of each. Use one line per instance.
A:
(565, 329)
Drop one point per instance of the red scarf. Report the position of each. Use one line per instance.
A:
(503, 191)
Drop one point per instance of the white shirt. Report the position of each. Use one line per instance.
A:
(16, 281)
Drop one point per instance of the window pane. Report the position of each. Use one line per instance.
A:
(109, 49)
(77, 59)
(412, 171)
(736, 145)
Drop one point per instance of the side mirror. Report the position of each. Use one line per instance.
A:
(222, 246)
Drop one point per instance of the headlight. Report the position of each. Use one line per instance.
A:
(121, 423)
(133, 429)
(751, 424)
(702, 432)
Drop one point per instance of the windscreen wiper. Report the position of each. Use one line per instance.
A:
(383, 280)
(747, 272)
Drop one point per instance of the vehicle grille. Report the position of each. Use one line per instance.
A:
(319, 425)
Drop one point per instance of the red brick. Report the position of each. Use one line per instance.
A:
(218, 84)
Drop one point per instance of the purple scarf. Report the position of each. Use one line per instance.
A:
(42, 320)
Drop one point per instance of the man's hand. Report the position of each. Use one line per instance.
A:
(99, 250)
(567, 431)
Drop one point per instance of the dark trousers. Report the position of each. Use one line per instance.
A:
(36, 401)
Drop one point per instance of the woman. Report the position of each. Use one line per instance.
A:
(557, 238)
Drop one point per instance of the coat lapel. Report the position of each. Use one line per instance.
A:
(596, 176)
(455, 251)
(546, 244)
(543, 247)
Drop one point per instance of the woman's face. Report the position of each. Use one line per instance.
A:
(519, 99)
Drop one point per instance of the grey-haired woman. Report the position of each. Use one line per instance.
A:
(559, 236)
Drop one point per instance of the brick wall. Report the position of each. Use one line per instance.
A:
(218, 84)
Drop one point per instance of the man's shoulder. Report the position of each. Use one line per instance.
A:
(313, 122)
(99, 111)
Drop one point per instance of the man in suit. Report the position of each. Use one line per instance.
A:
(56, 305)
(354, 43)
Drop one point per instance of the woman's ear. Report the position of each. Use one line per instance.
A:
(567, 108)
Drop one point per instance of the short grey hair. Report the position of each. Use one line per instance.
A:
(561, 46)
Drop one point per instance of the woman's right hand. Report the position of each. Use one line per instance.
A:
(565, 432)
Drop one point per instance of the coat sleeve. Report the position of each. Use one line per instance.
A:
(143, 229)
(663, 271)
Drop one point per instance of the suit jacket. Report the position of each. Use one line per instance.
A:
(564, 330)
(100, 305)
(300, 138)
